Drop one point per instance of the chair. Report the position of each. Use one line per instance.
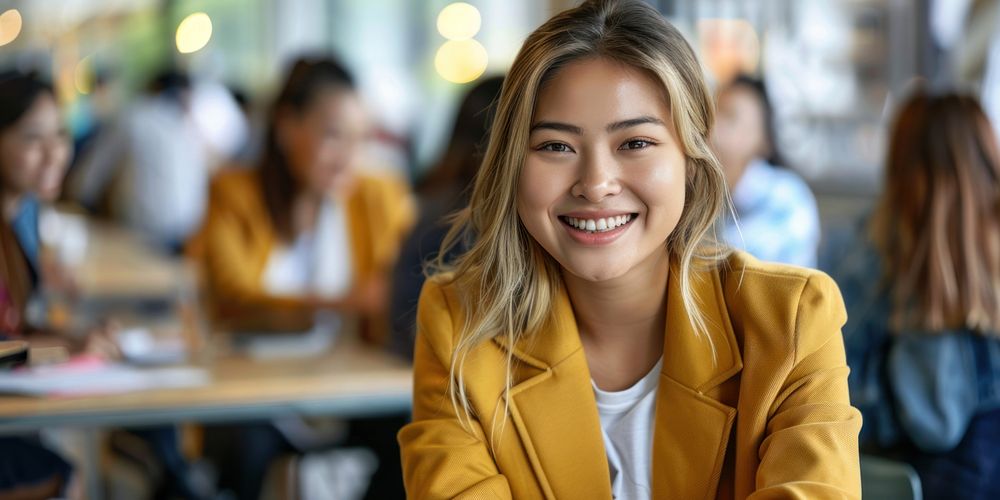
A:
(882, 478)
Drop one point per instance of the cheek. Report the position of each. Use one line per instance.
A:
(661, 188)
(540, 187)
(301, 154)
(20, 166)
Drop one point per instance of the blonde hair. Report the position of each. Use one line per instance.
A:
(507, 282)
(937, 225)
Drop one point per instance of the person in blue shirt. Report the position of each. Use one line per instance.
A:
(776, 215)
(921, 283)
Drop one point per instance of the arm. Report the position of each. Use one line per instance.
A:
(441, 457)
(811, 446)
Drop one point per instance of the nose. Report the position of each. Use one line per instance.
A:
(598, 178)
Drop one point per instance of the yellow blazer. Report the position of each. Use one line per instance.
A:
(768, 418)
(237, 238)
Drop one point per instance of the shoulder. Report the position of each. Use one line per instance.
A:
(439, 314)
(790, 304)
(386, 198)
(783, 185)
(384, 185)
(234, 184)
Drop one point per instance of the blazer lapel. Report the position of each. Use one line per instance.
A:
(555, 414)
(692, 428)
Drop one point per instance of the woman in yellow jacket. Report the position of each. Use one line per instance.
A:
(593, 341)
(295, 242)
(304, 232)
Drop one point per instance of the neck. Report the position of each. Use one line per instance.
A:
(622, 321)
(305, 211)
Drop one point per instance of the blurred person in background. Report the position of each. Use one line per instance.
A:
(150, 170)
(443, 190)
(35, 150)
(776, 215)
(34, 154)
(921, 282)
(294, 243)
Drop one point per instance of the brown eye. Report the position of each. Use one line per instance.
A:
(636, 144)
(556, 147)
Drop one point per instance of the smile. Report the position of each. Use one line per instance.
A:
(598, 225)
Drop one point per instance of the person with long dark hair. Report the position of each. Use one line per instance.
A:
(921, 281)
(297, 243)
(305, 232)
(776, 215)
(441, 191)
(34, 155)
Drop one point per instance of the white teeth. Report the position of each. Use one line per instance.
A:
(599, 225)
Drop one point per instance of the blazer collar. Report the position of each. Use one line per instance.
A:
(556, 416)
(698, 361)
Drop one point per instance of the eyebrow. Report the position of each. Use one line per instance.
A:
(620, 125)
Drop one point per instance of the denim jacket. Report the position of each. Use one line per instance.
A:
(924, 386)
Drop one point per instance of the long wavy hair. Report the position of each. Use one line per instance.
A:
(937, 225)
(507, 282)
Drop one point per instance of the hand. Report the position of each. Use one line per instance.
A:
(102, 342)
(371, 296)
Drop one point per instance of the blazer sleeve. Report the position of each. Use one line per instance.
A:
(444, 455)
(391, 204)
(232, 274)
(811, 445)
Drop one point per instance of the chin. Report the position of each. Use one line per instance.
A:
(596, 271)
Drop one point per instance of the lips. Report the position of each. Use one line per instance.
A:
(597, 228)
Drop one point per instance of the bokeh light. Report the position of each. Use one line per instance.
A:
(194, 32)
(10, 26)
(461, 61)
(729, 47)
(459, 21)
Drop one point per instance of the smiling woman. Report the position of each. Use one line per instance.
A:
(594, 340)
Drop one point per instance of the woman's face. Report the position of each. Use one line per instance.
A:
(738, 136)
(603, 181)
(35, 151)
(324, 142)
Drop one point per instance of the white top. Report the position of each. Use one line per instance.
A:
(317, 263)
(157, 168)
(627, 426)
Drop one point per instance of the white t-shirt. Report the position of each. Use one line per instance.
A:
(318, 262)
(627, 426)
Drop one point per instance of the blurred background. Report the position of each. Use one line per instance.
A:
(144, 270)
(834, 68)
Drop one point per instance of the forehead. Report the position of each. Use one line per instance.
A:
(600, 90)
(742, 97)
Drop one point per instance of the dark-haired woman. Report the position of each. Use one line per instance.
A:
(442, 191)
(298, 240)
(777, 218)
(34, 154)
